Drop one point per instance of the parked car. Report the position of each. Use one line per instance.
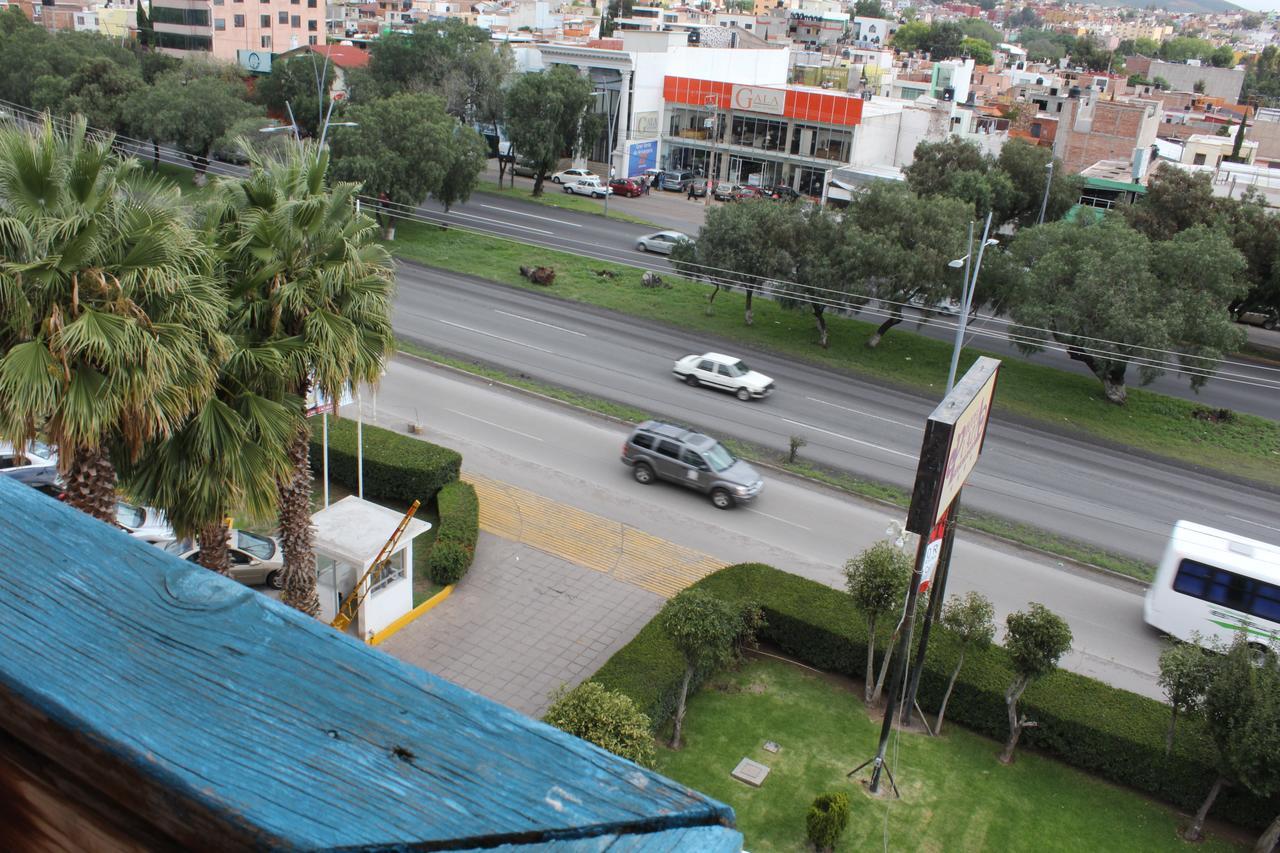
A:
(698, 186)
(726, 372)
(629, 187)
(781, 192)
(675, 181)
(723, 191)
(588, 186)
(255, 560)
(524, 170)
(662, 242)
(1267, 318)
(144, 522)
(662, 451)
(36, 464)
(746, 192)
(568, 176)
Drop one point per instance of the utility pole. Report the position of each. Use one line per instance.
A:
(714, 122)
(1048, 182)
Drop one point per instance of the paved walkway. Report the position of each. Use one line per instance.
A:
(553, 593)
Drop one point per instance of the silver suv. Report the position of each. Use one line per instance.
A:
(662, 451)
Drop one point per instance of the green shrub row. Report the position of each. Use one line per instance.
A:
(455, 545)
(396, 467)
(1109, 732)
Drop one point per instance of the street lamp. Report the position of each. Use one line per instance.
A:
(1048, 181)
(966, 294)
(608, 116)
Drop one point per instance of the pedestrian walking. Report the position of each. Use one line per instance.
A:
(690, 191)
(648, 181)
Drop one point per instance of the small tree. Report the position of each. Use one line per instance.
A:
(1037, 638)
(704, 629)
(827, 819)
(877, 580)
(467, 156)
(607, 718)
(1184, 675)
(1242, 712)
(969, 618)
(544, 116)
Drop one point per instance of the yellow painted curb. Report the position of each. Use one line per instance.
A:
(431, 602)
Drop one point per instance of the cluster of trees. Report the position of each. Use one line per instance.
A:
(1262, 77)
(1145, 286)
(171, 349)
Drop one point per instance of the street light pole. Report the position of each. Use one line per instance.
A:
(711, 156)
(1048, 182)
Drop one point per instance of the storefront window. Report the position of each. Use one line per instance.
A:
(829, 144)
(761, 133)
(810, 182)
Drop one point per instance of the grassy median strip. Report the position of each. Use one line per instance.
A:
(1020, 534)
(553, 195)
(1243, 445)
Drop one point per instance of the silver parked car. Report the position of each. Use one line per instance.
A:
(147, 523)
(36, 464)
(662, 242)
(255, 560)
(662, 451)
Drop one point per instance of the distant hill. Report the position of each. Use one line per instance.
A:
(1196, 7)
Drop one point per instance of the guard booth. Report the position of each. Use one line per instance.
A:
(349, 535)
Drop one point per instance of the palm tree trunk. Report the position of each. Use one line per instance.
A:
(946, 697)
(295, 528)
(871, 659)
(1269, 840)
(91, 483)
(680, 707)
(1194, 832)
(214, 553)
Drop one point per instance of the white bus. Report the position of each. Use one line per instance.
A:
(1216, 584)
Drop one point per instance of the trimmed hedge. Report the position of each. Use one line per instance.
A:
(455, 545)
(396, 467)
(1111, 733)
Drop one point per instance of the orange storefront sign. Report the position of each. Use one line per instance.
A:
(803, 104)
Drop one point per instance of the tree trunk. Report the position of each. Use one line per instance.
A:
(678, 728)
(1269, 840)
(91, 483)
(946, 697)
(1110, 373)
(871, 659)
(155, 152)
(751, 315)
(889, 323)
(537, 183)
(214, 553)
(820, 317)
(712, 298)
(295, 527)
(1168, 736)
(884, 664)
(1194, 832)
(1015, 725)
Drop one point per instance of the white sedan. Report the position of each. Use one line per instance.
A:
(726, 372)
(588, 186)
(569, 176)
(255, 560)
(662, 242)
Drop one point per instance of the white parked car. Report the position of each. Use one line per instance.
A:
(588, 186)
(569, 176)
(662, 242)
(36, 464)
(726, 372)
(146, 523)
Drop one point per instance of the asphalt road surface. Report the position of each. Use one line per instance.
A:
(811, 531)
(1243, 387)
(1104, 496)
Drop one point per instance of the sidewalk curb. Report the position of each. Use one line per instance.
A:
(386, 633)
(1064, 562)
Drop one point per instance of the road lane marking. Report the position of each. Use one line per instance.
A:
(775, 518)
(851, 438)
(867, 414)
(492, 335)
(540, 323)
(1259, 523)
(531, 216)
(492, 424)
(500, 224)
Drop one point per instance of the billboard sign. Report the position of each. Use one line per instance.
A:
(641, 156)
(257, 61)
(953, 439)
(757, 99)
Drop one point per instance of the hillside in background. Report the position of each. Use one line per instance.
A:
(1197, 7)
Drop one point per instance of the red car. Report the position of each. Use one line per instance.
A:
(629, 187)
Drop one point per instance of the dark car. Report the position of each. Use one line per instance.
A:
(782, 192)
(675, 181)
(629, 187)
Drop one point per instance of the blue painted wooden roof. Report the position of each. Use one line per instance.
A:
(281, 731)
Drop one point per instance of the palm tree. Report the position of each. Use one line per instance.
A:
(107, 309)
(306, 273)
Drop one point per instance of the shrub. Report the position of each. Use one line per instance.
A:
(396, 467)
(607, 718)
(1103, 730)
(459, 514)
(827, 819)
(448, 562)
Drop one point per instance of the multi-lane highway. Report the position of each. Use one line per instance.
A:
(573, 459)
(1250, 388)
(1108, 497)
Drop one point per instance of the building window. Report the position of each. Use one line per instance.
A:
(1035, 130)
(1198, 160)
(392, 572)
(311, 25)
(182, 17)
(264, 21)
(218, 2)
(284, 17)
(311, 40)
(266, 41)
(311, 4)
(239, 20)
(180, 41)
(219, 24)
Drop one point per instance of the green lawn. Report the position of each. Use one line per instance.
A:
(553, 195)
(1246, 446)
(956, 796)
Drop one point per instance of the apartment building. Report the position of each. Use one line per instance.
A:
(232, 29)
(1091, 129)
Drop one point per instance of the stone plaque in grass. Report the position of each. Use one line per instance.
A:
(751, 772)
(771, 746)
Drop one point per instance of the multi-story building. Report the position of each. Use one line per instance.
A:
(232, 29)
(1091, 129)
